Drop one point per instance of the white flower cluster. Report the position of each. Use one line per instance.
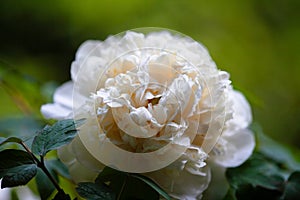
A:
(154, 104)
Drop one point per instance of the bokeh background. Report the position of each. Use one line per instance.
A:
(256, 41)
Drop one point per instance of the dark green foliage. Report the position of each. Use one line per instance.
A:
(16, 168)
(53, 137)
(92, 191)
(121, 186)
(292, 188)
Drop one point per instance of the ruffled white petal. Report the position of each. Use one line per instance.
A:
(86, 49)
(63, 102)
(241, 112)
(232, 150)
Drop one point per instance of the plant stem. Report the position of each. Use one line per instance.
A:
(30, 153)
(122, 188)
(41, 165)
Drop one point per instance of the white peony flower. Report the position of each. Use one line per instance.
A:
(155, 104)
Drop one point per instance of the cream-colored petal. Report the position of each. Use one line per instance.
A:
(66, 155)
(84, 157)
(233, 150)
(80, 173)
(138, 122)
(181, 184)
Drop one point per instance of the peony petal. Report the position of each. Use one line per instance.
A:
(235, 150)
(63, 95)
(90, 75)
(184, 47)
(80, 173)
(242, 115)
(86, 49)
(218, 183)
(55, 111)
(131, 41)
(84, 157)
(181, 184)
(66, 155)
(62, 106)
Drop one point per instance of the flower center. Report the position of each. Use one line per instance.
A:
(146, 100)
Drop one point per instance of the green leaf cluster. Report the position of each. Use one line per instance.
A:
(18, 167)
(116, 185)
(272, 172)
(53, 137)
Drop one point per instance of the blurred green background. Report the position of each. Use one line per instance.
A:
(256, 41)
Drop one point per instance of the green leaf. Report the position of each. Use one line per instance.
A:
(44, 185)
(256, 171)
(152, 185)
(134, 188)
(129, 186)
(108, 174)
(10, 139)
(16, 167)
(292, 187)
(257, 178)
(61, 195)
(13, 158)
(92, 191)
(19, 175)
(53, 137)
(272, 149)
(248, 192)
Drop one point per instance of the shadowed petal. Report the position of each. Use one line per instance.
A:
(180, 183)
